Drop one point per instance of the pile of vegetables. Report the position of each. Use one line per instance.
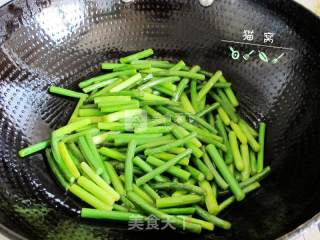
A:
(155, 137)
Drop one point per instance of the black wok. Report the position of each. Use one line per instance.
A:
(46, 42)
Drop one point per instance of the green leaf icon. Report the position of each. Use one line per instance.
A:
(263, 57)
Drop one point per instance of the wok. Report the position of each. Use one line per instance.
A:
(50, 42)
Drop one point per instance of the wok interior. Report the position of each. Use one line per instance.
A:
(81, 34)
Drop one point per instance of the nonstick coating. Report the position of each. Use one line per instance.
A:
(62, 42)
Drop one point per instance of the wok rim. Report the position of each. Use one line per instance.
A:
(299, 231)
